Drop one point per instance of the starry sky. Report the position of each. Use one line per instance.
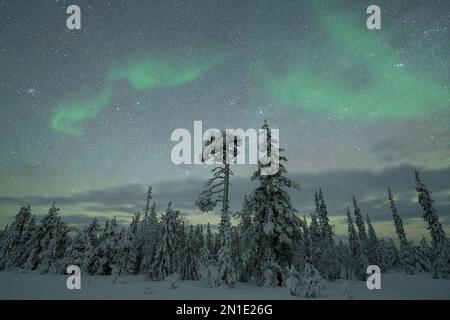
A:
(86, 115)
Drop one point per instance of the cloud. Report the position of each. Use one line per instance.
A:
(390, 151)
(368, 186)
(128, 194)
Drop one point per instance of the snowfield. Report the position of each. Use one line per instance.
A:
(32, 285)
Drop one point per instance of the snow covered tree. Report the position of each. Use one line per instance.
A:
(301, 246)
(224, 151)
(312, 283)
(327, 263)
(398, 223)
(132, 246)
(271, 270)
(236, 251)
(29, 230)
(93, 235)
(306, 240)
(390, 254)
(198, 237)
(406, 253)
(439, 243)
(292, 281)
(359, 221)
(205, 255)
(314, 240)
(190, 265)
(246, 238)
(105, 255)
(149, 232)
(208, 269)
(209, 241)
(276, 227)
(14, 245)
(78, 249)
(164, 262)
(226, 275)
(357, 258)
(48, 243)
(181, 245)
(374, 255)
(423, 253)
(125, 260)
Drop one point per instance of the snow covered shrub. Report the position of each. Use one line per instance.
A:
(172, 280)
(115, 273)
(208, 274)
(348, 293)
(292, 281)
(312, 283)
(271, 270)
(149, 290)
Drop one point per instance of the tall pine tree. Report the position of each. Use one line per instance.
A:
(164, 262)
(276, 226)
(406, 254)
(359, 221)
(374, 255)
(357, 258)
(327, 264)
(439, 242)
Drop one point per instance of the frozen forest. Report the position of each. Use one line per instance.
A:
(272, 245)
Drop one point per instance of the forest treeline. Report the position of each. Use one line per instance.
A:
(271, 244)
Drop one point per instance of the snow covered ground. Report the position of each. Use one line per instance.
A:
(32, 285)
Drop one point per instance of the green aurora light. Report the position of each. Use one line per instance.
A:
(148, 74)
(362, 78)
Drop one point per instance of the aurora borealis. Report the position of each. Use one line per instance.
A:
(87, 114)
(149, 74)
(383, 87)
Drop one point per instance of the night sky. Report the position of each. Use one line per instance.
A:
(86, 115)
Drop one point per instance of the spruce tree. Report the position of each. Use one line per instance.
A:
(390, 254)
(306, 240)
(226, 275)
(134, 239)
(48, 243)
(126, 258)
(407, 260)
(357, 258)
(13, 246)
(190, 266)
(374, 256)
(312, 282)
(314, 240)
(424, 255)
(276, 226)
(209, 241)
(164, 262)
(359, 221)
(247, 241)
(29, 231)
(149, 233)
(92, 231)
(198, 237)
(439, 242)
(327, 264)
(76, 252)
(105, 256)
